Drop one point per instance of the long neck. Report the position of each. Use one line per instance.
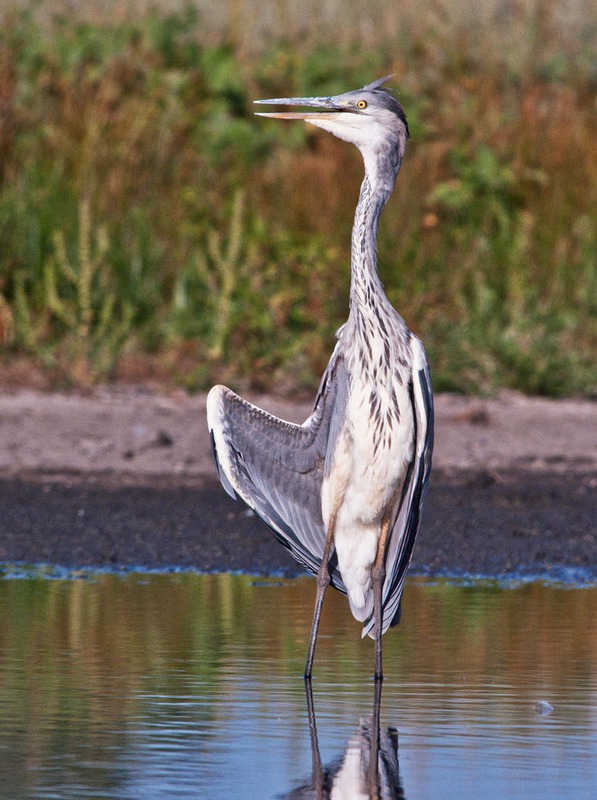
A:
(366, 290)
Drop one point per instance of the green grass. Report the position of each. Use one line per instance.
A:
(146, 216)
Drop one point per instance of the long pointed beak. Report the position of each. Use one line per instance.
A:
(322, 104)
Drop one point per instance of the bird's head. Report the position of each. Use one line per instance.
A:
(371, 118)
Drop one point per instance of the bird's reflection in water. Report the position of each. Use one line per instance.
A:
(368, 768)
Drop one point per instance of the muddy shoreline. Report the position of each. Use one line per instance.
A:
(126, 481)
(491, 524)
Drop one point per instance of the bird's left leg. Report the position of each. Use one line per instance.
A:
(378, 576)
(323, 581)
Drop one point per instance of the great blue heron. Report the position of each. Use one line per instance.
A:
(344, 491)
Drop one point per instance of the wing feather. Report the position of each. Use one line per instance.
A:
(278, 467)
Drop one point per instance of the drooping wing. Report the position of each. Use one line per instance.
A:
(277, 467)
(408, 510)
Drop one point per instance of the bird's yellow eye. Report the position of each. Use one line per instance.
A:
(361, 104)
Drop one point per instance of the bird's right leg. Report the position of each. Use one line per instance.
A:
(323, 581)
(378, 576)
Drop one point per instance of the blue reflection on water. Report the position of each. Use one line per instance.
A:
(100, 698)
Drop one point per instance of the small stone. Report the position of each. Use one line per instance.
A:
(543, 708)
(163, 439)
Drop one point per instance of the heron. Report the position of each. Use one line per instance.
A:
(344, 491)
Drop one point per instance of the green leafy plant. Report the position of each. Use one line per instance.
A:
(80, 294)
(220, 267)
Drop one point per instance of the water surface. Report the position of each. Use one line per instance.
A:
(189, 686)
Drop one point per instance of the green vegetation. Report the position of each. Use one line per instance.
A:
(150, 224)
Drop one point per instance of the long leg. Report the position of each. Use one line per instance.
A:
(378, 576)
(323, 581)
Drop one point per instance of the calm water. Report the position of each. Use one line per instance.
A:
(188, 686)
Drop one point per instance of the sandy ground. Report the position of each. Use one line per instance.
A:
(126, 432)
(125, 478)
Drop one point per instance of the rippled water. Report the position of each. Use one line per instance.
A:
(189, 686)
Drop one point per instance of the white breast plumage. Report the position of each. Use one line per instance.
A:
(372, 454)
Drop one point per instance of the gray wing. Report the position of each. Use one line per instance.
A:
(277, 467)
(407, 515)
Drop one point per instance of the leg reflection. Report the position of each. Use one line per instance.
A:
(317, 772)
(368, 768)
(373, 771)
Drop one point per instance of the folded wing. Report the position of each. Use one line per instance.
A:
(407, 514)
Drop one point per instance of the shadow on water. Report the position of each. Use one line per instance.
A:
(367, 770)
